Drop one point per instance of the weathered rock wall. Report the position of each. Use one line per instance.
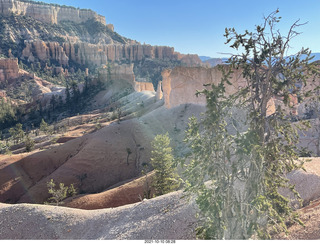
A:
(143, 86)
(44, 51)
(83, 49)
(86, 53)
(189, 59)
(180, 84)
(117, 72)
(9, 69)
(159, 94)
(49, 13)
(124, 72)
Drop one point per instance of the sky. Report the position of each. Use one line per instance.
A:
(197, 26)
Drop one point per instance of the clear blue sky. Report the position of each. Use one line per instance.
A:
(197, 26)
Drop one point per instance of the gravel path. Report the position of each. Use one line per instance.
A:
(165, 217)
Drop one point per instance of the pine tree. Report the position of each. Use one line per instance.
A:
(53, 102)
(162, 160)
(240, 155)
(17, 133)
(68, 99)
(44, 127)
(29, 144)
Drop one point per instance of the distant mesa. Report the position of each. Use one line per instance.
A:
(49, 13)
(204, 58)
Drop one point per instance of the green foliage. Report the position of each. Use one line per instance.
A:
(21, 91)
(2, 147)
(162, 160)
(7, 113)
(151, 69)
(147, 193)
(47, 4)
(44, 127)
(98, 126)
(119, 114)
(17, 133)
(29, 144)
(13, 23)
(57, 195)
(304, 152)
(237, 165)
(72, 191)
(61, 193)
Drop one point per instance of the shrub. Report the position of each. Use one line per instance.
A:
(61, 193)
(29, 143)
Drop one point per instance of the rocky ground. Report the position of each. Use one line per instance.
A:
(165, 217)
(310, 216)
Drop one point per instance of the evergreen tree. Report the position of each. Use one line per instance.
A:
(76, 102)
(68, 99)
(162, 160)
(8, 113)
(53, 102)
(29, 143)
(17, 133)
(60, 102)
(109, 79)
(245, 161)
(40, 109)
(44, 127)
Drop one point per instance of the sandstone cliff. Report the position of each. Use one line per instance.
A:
(159, 94)
(124, 72)
(39, 32)
(9, 69)
(85, 53)
(48, 13)
(143, 86)
(181, 83)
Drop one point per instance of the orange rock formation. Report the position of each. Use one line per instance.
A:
(83, 53)
(9, 69)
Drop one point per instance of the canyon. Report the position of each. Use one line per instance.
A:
(65, 35)
(104, 149)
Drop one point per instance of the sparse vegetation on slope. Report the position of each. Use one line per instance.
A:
(61, 193)
(7, 113)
